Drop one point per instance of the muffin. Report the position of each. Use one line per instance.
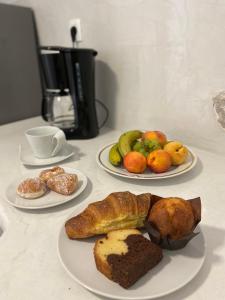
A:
(171, 221)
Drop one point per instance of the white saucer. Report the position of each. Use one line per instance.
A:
(50, 199)
(27, 158)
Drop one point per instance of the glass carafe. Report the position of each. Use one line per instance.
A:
(59, 110)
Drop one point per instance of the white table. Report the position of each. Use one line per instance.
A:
(29, 266)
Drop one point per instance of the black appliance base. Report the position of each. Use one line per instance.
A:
(79, 134)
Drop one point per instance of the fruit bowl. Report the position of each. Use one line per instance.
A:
(102, 159)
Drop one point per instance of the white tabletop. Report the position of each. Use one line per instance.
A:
(29, 266)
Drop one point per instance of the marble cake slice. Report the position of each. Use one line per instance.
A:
(125, 255)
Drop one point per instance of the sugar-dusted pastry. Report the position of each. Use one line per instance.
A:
(117, 211)
(45, 175)
(126, 255)
(64, 184)
(31, 188)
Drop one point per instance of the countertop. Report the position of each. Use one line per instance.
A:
(29, 265)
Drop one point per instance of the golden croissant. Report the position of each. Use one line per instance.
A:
(117, 211)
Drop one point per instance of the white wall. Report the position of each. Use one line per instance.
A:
(159, 62)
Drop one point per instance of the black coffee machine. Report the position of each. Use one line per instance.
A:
(68, 82)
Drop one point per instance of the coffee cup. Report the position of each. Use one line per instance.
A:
(45, 141)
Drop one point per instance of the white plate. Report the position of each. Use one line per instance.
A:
(27, 157)
(175, 270)
(49, 199)
(103, 161)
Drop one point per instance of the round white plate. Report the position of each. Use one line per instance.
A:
(27, 157)
(49, 199)
(103, 161)
(175, 270)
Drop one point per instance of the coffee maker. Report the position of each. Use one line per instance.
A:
(68, 84)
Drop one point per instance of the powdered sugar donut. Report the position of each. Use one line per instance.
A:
(31, 188)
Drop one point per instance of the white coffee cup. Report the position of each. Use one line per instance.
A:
(45, 141)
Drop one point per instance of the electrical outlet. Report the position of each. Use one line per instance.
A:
(77, 24)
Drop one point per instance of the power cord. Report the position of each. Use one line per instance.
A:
(73, 33)
(106, 113)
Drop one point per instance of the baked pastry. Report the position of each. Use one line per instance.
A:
(172, 221)
(31, 188)
(64, 184)
(172, 217)
(126, 255)
(45, 175)
(117, 211)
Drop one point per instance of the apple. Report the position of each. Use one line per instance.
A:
(158, 136)
(177, 151)
(134, 162)
(159, 161)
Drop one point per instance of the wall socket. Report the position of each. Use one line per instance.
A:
(77, 24)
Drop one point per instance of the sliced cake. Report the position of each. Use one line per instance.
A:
(125, 255)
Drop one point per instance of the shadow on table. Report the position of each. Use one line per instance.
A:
(215, 238)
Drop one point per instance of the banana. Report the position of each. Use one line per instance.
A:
(127, 139)
(114, 155)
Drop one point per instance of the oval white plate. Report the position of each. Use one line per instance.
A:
(175, 270)
(27, 158)
(103, 161)
(49, 199)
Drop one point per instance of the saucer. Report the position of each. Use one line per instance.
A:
(27, 158)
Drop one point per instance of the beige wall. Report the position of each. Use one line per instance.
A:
(159, 62)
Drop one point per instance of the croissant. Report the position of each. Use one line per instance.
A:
(119, 210)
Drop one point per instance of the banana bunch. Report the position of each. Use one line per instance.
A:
(124, 145)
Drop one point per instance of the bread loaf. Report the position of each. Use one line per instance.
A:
(125, 255)
(117, 211)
